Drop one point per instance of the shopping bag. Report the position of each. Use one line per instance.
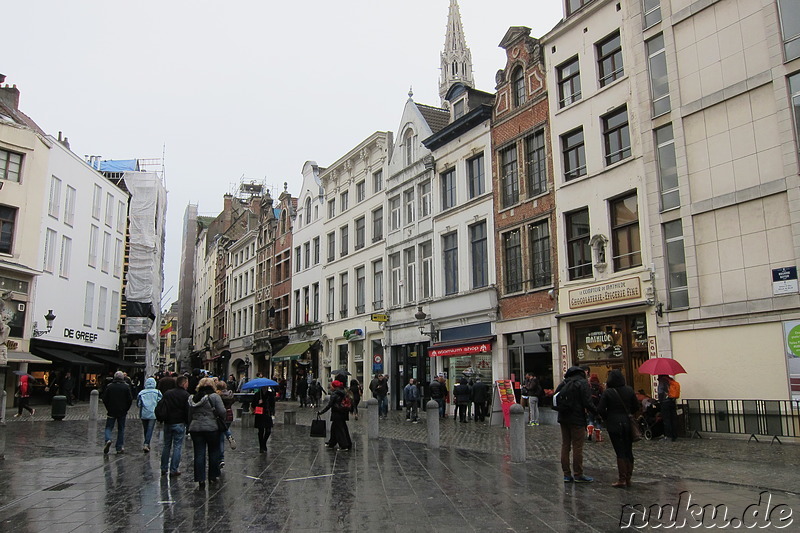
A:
(318, 428)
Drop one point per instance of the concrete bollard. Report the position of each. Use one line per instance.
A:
(517, 433)
(289, 418)
(432, 418)
(372, 418)
(94, 404)
(3, 400)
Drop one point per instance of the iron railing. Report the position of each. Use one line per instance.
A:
(772, 418)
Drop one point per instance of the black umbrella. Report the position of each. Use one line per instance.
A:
(342, 371)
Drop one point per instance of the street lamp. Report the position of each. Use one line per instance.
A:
(49, 317)
(247, 367)
(421, 323)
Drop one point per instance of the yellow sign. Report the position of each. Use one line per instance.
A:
(615, 291)
(377, 317)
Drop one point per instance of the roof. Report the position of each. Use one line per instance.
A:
(119, 165)
(19, 117)
(436, 117)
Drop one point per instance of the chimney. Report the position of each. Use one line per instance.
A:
(10, 96)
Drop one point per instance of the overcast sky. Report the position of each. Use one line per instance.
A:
(238, 89)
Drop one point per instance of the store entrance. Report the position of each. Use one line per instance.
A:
(410, 361)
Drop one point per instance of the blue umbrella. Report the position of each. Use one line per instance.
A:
(257, 383)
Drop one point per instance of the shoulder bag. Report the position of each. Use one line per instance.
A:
(636, 434)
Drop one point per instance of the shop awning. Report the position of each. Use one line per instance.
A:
(461, 347)
(114, 361)
(25, 357)
(63, 356)
(292, 351)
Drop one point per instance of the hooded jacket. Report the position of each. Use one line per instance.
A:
(147, 400)
(576, 415)
(204, 408)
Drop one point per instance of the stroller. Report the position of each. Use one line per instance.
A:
(650, 423)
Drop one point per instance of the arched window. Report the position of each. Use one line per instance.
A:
(518, 86)
(455, 68)
(308, 211)
(409, 141)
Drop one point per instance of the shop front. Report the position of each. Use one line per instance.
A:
(410, 361)
(530, 351)
(465, 358)
(295, 362)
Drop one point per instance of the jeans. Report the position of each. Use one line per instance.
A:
(534, 412)
(572, 437)
(411, 410)
(200, 441)
(440, 401)
(120, 421)
(383, 406)
(669, 414)
(222, 436)
(148, 425)
(173, 447)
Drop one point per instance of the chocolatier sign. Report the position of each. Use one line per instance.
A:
(615, 291)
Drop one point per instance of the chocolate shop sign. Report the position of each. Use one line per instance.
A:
(615, 291)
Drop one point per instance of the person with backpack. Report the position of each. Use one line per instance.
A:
(669, 391)
(173, 411)
(411, 401)
(117, 397)
(572, 399)
(381, 394)
(147, 400)
(339, 406)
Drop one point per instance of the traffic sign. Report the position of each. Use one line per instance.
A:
(378, 317)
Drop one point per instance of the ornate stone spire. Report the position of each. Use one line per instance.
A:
(456, 57)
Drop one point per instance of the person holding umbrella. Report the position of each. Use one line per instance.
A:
(263, 407)
(337, 404)
(668, 390)
(24, 395)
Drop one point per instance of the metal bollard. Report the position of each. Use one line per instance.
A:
(372, 418)
(517, 433)
(94, 404)
(432, 418)
(3, 396)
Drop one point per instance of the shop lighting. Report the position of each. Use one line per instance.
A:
(49, 317)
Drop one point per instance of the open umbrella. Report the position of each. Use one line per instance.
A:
(661, 365)
(257, 383)
(21, 373)
(342, 371)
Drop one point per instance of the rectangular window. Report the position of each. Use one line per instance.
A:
(344, 201)
(297, 307)
(66, 257)
(315, 296)
(344, 236)
(394, 213)
(10, 166)
(569, 82)
(54, 206)
(316, 250)
(458, 110)
(411, 275)
(361, 231)
(616, 135)
(109, 210)
(657, 68)
(69, 206)
(625, 239)
(609, 59)
(539, 236)
(426, 255)
(676, 265)
(509, 179)
(448, 189)
(425, 199)
(377, 224)
(377, 181)
(408, 201)
(574, 154)
(377, 285)
(50, 251)
(298, 256)
(102, 302)
(94, 238)
(574, 5)
(395, 271)
(343, 295)
(112, 311)
(667, 167)
(97, 200)
(512, 257)
(361, 191)
(307, 254)
(476, 176)
(361, 290)
(518, 86)
(88, 304)
(479, 252)
(331, 298)
(122, 216)
(118, 258)
(331, 246)
(536, 164)
(450, 252)
(8, 217)
(105, 263)
(579, 253)
(331, 208)
(790, 27)
(652, 12)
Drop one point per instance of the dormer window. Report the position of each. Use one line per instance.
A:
(408, 140)
(458, 109)
(518, 86)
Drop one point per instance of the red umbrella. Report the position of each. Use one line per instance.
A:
(661, 365)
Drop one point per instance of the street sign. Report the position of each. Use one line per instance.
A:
(378, 317)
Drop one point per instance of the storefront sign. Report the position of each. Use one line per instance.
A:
(784, 280)
(624, 289)
(651, 347)
(469, 349)
(80, 335)
(564, 359)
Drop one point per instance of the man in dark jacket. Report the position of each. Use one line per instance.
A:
(68, 387)
(480, 395)
(463, 396)
(177, 407)
(574, 399)
(117, 397)
(437, 394)
(381, 391)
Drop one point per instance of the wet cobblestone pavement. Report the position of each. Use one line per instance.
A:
(55, 478)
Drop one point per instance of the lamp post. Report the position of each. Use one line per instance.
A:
(247, 367)
(422, 321)
(49, 317)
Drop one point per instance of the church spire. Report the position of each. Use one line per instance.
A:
(456, 57)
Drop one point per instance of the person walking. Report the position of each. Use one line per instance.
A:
(411, 401)
(68, 387)
(524, 393)
(263, 406)
(314, 393)
(177, 416)
(381, 394)
(339, 415)
(534, 397)
(357, 391)
(118, 398)
(667, 398)
(302, 391)
(227, 400)
(617, 402)
(204, 409)
(437, 394)
(462, 394)
(24, 395)
(480, 395)
(574, 399)
(147, 400)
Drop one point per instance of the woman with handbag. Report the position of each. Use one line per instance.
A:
(340, 410)
(206, 414)
(263, 406)
(618, 406)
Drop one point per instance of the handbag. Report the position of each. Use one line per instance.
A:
(636, 433)
(221, 425)
(258, 410)
(318, 428)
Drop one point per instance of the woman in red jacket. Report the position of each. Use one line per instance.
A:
(24, 391)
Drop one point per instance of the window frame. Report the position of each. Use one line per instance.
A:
(479, 254)
(425, 194)
(476, 175)
(450, 262)
(518, 86)
(509, 175)
(578, 267)
(660, 103)
(630, 230)
(536, 163)
(609, 55)
(54, 204)
(377, 224)
(7, 163)
(394, 213)
(568, 79)
(360, 225)
(674, 274)
(616, 136)
(666, 146)
(448, 187)
(541, 264)
(512, 261)
(579, 150)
